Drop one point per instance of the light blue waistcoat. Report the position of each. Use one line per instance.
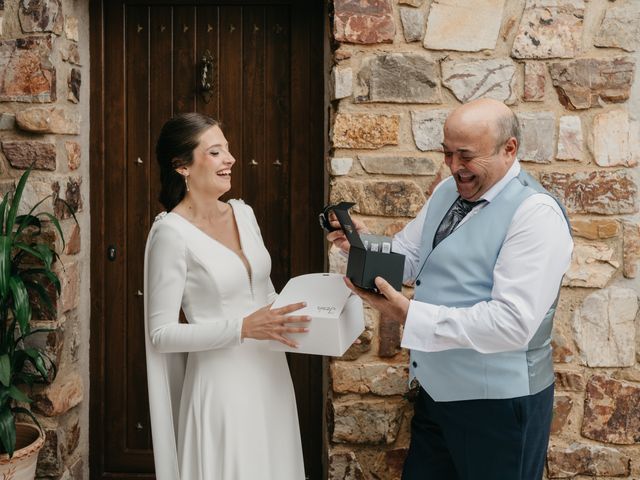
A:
(459, 273)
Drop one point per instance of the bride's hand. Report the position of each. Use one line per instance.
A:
(267, 324)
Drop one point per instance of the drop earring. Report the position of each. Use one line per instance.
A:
(186, 182)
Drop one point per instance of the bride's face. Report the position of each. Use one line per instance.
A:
(210, 171)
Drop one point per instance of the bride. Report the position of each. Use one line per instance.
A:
(222, 404)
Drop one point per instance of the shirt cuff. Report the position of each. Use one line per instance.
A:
(419, 329)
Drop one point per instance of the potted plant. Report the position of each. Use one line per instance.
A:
(27, 278)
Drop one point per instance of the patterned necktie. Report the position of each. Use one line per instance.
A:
(454, 216)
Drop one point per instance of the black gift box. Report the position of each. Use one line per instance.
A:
(365, 265)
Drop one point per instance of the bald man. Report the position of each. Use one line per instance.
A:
(487, 253)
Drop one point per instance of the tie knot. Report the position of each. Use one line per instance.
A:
(466, 205)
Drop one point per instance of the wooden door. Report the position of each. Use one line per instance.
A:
(267, 90)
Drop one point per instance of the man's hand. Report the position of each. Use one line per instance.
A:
(338, 238)
(389, 302)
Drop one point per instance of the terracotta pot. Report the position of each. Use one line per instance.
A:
(22, 466)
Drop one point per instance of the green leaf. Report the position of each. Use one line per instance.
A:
(3, 210)
(38, 362)
(5, 265)
(56, 224)
(42, 294)
(7, 430)
(18, 395)
(21, 305)
(15, 202)
(25, 221)
(53, 278)
(5, 370)
(37, 251)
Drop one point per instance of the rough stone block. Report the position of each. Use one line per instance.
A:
(569, 380)
(73, 154)
(592, 460)
(341, 82)
(7, 121)
(48, 120)
(363, 21)
(615, 139)
(592, 265)
(570, 139)
(70, 283)
(345, 466)
(586, 82)
(620, 27)
(604, 328)
(340, 165)
(41, 16)
(630, 249)
(393, 198)
(602, 192)
(368, 131)
(464, 25)
(399, 78)
(413, 24)
(427, 127)
(73, 83)
(71, 28)
(377, 378)
(561, 349)
(71, 54)
(398, 165)
(367, 421)
(595, 228)
(390, 336)
(535, 81)
(25, 154)
(26, 72)
(550, 29)
(562, 405)
(73, 198)
(472, 79)
(538, 131)
(612, 411)
(59, 397)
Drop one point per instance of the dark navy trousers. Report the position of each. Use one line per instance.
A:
(479, 439)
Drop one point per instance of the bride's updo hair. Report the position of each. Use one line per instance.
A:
(174, 149)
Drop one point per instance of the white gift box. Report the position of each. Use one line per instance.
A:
(336, 314)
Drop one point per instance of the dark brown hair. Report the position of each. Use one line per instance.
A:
(178, 139)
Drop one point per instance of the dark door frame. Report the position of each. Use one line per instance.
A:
(303, 138)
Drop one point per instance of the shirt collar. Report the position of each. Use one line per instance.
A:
(513, 172)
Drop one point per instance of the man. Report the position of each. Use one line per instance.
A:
(487, 253)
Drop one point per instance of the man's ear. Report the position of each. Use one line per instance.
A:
(511, 147)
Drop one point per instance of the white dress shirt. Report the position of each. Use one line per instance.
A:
(535, 255)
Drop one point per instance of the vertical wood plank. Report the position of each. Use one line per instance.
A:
(278, 127)
(207, 30)
(253, 113)
(160, 94)
(115, 221)
(136, 167)
(231, 91)
(184, 59)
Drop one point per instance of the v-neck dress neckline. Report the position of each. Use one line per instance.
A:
(246, 266)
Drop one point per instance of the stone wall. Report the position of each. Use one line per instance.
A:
(44, 112)
(568, 68)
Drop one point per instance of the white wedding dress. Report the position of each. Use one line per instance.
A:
(228, 412)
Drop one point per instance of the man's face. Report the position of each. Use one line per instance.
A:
(470, 153)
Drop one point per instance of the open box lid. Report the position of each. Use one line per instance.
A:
(325, 294)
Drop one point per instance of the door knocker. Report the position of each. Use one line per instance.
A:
(206, 77)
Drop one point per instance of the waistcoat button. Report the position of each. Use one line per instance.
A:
(415, 364)
(418, 282)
